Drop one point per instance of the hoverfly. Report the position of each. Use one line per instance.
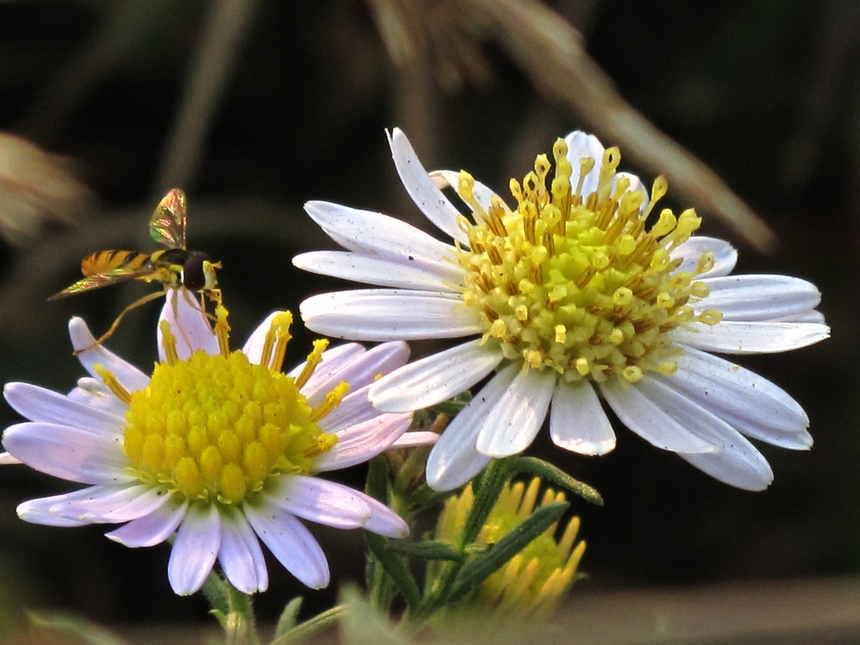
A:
(174, 267)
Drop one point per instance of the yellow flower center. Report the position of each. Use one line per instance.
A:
(576, 282)
(216, 427)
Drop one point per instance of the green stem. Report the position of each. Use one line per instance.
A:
(313, 626)
(233, 609)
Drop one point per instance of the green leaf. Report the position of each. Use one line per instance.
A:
(69, 625)
(362, 624)
(557, 476)
(476, 571)
(487, 489)
(395, 566)
(429, 550)
(289, 617)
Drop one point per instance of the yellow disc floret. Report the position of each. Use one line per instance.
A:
(216, 427)
(576, 282)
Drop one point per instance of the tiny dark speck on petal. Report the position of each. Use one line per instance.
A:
(411, 258)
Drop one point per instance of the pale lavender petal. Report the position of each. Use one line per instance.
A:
(290, 542)
(154, 528)
(691, 251)
(389, 314)
(416, 438)
(649, 421)
(42, 405)
(68, 453)
(53, 511)
(383, 520)
(93, 394)
(759, 297)
(241, 556)
(732, 337)
(131, 378)
(253, 348)
(139, 501)
(435, 378)
(521, 405)
(359, 442)
(577, 421)
(318, 500)
(426, 195)
(328, 373)
(189, 326)
(367, 368)
(195, 548)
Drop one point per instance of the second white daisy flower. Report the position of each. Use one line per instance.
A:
(570, 298)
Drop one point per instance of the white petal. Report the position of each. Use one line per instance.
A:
(747, 401)
(740, 465)
(421, 188)
(732, 337)
(389, 314)
(650, 421)
(577, 421)
(759, 297)
(39, 404)
(291, 543)
(383, 520)
(327, 373)
(195, 549)
(725, 255)
(318, 500)
(521, 404)
(363, 441)
(482, 193)
(190, 327)
(384, 273)
(436, 378)
(241, 556)
(68, 453)
(154, 528)
(131, 378)
(582, 145)
(455, 459)
(7, 460)
(371, 234)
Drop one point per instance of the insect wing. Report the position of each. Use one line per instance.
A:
(99, 280)
(167, 225)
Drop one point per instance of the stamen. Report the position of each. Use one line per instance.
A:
(112, 384)
(314, 359)
(222, 330)
(332, 400)
(168, 343)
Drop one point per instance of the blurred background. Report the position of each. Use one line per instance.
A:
(751, 108)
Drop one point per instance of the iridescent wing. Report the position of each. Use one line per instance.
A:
(167, 225)
(99, 280)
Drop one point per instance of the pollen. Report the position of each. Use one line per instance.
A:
(217, 427)
(577, 281)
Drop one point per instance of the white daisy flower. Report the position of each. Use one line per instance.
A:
(215, 449)
(569, 298)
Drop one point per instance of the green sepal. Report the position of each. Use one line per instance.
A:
(557, 476)
(429, 550)
(395, 566)
(476, 571)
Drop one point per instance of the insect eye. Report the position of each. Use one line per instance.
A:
(193, 276)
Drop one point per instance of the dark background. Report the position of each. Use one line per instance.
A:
(764, 91)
